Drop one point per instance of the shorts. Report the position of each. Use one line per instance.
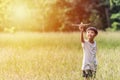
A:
(89, 73)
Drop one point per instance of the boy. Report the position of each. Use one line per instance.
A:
(89, 49)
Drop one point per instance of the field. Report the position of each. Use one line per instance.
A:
(55, 56)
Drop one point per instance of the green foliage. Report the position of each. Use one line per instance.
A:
(115, 14)
(52, 15)
(116, 26)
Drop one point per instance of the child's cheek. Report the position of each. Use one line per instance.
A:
(92, 35)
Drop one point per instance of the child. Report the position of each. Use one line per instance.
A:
(89, 49)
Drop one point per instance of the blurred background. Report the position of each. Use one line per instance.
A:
(58, 15)
(39, 42)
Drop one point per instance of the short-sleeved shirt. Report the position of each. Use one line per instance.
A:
(89, 56)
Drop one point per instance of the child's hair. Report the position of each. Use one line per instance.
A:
(93, 29)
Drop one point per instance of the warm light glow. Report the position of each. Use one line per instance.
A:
(20, 12)
(19, 15)
(25, 14)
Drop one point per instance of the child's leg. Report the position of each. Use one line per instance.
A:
(94, 75)
(88, 75)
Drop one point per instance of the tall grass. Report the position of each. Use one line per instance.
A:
(55, 56)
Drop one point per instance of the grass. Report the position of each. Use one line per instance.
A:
(55, 56)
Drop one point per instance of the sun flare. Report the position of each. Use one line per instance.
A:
(26, 14)
(20, 12)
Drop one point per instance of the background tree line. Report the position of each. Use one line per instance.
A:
(59, 15)
(103, 14)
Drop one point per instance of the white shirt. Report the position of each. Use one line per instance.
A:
(89, 56)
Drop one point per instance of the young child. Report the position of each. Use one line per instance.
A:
(89, 64)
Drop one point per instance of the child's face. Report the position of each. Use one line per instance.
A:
(91, 34)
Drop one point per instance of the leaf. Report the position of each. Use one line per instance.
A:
(114, 16)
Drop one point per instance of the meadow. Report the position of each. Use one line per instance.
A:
(55, 56)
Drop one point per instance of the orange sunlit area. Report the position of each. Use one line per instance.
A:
(55, 15)
(24, 14)
(50, 15)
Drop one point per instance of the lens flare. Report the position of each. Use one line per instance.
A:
(27, 14)
(20, 12)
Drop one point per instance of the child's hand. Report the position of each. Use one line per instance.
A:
(82, 27)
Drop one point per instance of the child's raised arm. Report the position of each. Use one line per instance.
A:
(82, 29)
(82, 37)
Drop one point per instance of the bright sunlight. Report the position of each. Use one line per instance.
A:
(27, 15)
(20, 12)
(24, 14)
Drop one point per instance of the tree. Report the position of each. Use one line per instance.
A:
(115, 14)
(57, 15)
(87, 11)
